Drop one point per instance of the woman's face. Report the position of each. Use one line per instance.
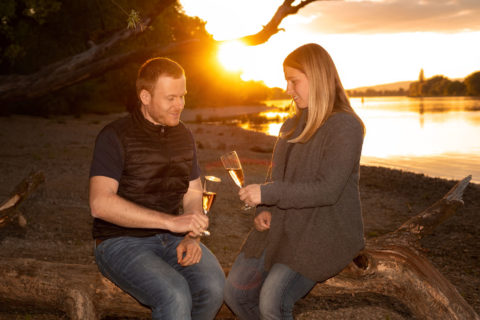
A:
(297, 86)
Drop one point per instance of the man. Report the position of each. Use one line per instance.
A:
(144, 169)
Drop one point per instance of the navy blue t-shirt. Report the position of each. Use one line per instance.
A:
(108, 157)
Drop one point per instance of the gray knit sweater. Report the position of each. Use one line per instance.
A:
(316, 226)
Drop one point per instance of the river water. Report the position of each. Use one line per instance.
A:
(439, 137)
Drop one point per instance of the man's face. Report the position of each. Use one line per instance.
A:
(165, 104)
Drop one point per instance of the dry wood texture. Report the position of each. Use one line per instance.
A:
(9, 208)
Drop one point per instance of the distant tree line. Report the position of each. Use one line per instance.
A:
(370, 92)
(439, 86)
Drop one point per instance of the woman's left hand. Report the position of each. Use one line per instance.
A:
(251, 195)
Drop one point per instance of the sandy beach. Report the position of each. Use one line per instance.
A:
(59, 222)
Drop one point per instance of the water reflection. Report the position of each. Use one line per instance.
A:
(399, 126)
(419, 134)
(271, 125)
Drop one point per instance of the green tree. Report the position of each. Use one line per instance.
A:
(19, 20)
(421, 76)
(416, 88)
(472, 84)
(435, 86)
(456, 88)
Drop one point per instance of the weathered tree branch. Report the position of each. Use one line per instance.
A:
(424, 223)
(8, 209)
(271, 28)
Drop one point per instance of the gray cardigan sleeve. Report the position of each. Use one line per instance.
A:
(343, 145)
(262, 207)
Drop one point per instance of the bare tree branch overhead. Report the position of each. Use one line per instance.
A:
(98, 58)
(271, 28)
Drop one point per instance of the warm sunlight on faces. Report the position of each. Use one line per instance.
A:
(166, 104)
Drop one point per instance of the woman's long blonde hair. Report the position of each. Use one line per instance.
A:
(326, 93)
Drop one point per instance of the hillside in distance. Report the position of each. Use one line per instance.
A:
(387, 86)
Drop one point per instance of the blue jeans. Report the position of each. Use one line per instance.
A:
(251, 292)
(147, 269)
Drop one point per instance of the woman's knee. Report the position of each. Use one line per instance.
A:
(271, 307)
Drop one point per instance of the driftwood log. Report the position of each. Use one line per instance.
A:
(390, 265)
(9, 208)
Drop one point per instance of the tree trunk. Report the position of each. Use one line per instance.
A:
(390, 265)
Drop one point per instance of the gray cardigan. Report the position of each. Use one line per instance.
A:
(316, 226)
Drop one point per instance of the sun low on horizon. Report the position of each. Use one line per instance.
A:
(362, 58)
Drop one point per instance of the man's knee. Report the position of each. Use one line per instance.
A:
(212, 291)
(173, 303)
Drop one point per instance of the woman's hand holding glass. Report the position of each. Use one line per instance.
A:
(251, 195)
(231, 163)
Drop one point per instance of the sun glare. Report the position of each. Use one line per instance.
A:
(231, 55)
(362, 59)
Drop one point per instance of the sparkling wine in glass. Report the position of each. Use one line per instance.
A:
(232, 164)
(237, 176)
(208, 196)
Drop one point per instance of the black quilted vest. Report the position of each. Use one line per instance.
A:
(157, 166)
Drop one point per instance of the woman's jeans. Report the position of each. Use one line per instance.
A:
(147, 269)
(252, 293)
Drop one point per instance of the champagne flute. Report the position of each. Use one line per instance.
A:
(232, 164)
(208, 196)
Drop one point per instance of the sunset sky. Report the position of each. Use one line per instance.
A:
(371, 41)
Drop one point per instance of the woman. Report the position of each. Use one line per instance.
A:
(308, 224)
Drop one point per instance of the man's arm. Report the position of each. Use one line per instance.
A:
(107, 205)
(189, 251)
(192, 200)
